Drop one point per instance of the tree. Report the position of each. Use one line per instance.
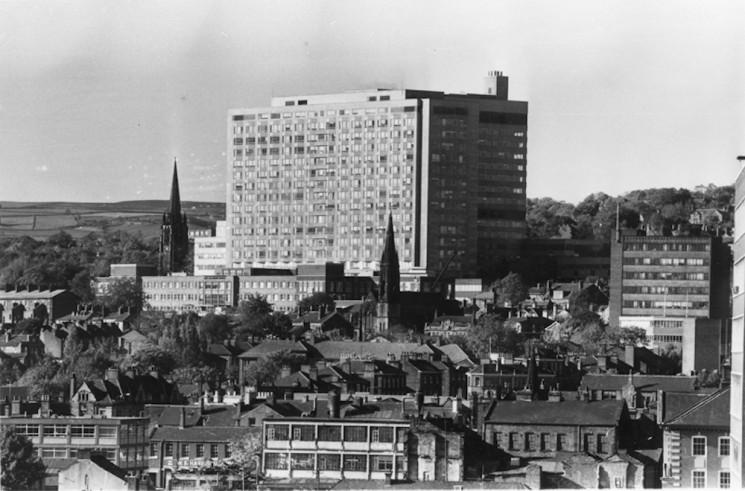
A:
(150, 355)
(490, 332)
(214, 328)
(28, 326)
(254, 305)
(245, 448)
(623, 336)
(316, 302)
(80, 285)
(41, 313)
(39, 378)
(21, 468)
(190, 375)
(124, 292)
(265, 370)
(510, 289)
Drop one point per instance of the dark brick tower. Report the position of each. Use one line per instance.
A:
(174, 234)
(389, 289)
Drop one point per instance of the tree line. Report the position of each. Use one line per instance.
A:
(658, 208)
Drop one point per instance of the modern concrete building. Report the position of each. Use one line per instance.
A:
(181, 293)
(737, 397)
(209, 252)
(667, 284)
(312, 179)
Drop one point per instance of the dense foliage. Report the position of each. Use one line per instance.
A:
(20, 467)
(659, 208)
(64, 262)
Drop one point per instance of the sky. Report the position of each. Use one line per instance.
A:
(98, 98)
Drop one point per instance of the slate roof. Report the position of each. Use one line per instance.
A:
(200, 433)
(596, 413)
(166, 415)
(334, 350)
(109, 467)
(711, 412)
(134, 335)
(30, 295)
(644, 383)
(678, 402)
(271, 346)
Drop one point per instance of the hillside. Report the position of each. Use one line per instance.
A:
(42, 219)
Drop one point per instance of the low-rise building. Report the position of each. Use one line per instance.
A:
(364, 441)
(182, 293)
(57, 438)
(696, 445)
(21, 303)
(534, 429)
(445, 326)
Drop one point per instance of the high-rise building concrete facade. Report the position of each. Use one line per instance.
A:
(312, 179)
(737, 394)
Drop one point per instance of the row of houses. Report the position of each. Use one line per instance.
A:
(597, 436)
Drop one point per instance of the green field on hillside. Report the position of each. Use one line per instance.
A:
(40, 220)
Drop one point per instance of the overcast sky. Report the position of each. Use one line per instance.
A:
(97, 98)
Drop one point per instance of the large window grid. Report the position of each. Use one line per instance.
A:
(355, 462)
(698, 446)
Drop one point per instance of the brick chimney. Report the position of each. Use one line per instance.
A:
(285, 371)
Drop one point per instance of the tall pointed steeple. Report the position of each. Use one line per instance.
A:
(174, 233)
(175, 204)
(388, 311)
(390, 275)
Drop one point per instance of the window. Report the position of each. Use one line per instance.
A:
(382, 434)
(153, 449)
(276, 460)
(561, 441)
(200, 450)
(55, 431)
(305, 433)
(698, 444)
(355, 462)
(698, 479)
(723, 446)
(303, 461)
(83, 431)
(107, 431)
(529, 441)
(355, 434)
(544, 442)
(724, 479)
(213, 451)
(28, 430)
(53, 453)
(601, 443)
(329, 462)
(169, 449)
(382, 463)
(329, 433)
(184, 450)
(513, 441)
(497, 438)
(277, 432)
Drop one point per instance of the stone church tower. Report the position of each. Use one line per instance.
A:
(174, 234)
(389, 289)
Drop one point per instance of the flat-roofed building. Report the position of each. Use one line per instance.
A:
(209, 252)
(312, 179)
(182, 293)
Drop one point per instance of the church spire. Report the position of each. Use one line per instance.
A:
(175, 205)
(390, 276)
